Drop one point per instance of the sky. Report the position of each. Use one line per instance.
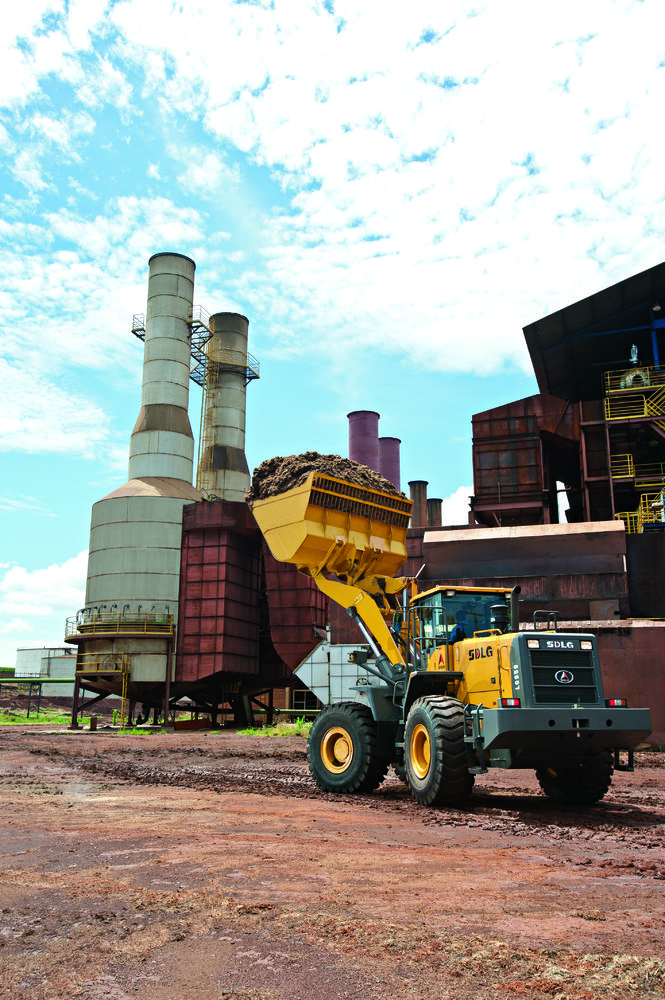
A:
(388, 194)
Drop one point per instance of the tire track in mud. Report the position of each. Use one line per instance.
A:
(632, 816)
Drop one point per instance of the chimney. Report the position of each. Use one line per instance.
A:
(162, 443)
(418, 490)
(434, 512)
(364, 438)
(389, 459)
(223, 470)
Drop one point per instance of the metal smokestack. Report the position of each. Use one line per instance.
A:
(364, 438)
(418, 490)
(223, 470)
(389, 459)
(434, 505)
(162, 443)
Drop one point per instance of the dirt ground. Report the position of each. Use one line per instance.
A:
(204, 865)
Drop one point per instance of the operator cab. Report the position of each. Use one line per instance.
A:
(446, 615)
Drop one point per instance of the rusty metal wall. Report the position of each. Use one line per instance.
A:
(219, 592)
(632, 659)
(297, 609)
(243, 615)
(645, 555)
(512, 481)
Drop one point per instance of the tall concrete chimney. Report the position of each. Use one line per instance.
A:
(133, 579)
(389, 459)
(364, 438)
(223, 470)
(418, 490)
(162, 443)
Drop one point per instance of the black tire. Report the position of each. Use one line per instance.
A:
(582, 785)
(342, 750)
(437, 769)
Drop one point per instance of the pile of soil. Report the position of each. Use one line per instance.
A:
(278, 475)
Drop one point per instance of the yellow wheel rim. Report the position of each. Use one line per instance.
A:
(336, 750)
(420, 750)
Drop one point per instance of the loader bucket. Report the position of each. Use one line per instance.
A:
(330, 525)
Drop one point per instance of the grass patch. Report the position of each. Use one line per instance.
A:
(46, 717)
(300, 727)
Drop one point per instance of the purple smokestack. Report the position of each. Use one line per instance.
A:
(364, 438)
(389, 459)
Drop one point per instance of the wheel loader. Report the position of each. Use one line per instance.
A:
(449, 684)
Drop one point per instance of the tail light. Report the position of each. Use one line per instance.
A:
(509, 703)
(617, 703)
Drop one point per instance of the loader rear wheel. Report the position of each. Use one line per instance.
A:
(437, 768)
(581, 785)
(342, 750)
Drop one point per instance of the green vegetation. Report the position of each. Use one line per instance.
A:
(300, 727)
(46, 717)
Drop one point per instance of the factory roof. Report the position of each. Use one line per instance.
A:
(571, 349)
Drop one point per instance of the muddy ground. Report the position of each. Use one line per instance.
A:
(201, 865)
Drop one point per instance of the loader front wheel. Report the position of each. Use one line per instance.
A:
(581, 785)
(437, 768)
(342, 750)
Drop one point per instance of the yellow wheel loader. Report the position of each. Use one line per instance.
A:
(449, 684)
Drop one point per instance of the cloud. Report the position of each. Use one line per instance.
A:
(422, 185)
(455, 508)
(35, 604)
(206, 172)
(13, 505)
(39, 417)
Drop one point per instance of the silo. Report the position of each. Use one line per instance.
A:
(127, 626)
(223, 471)
(389, 459)
(364, 438)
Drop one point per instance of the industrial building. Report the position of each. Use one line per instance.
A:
(184, 600)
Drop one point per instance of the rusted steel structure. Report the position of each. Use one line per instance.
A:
(246, 620)
(597, 427)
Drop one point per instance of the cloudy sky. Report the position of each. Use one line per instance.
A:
(389, 195)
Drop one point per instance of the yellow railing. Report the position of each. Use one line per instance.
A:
(652, 508)
(646, 474)
(631, 379)
(630, 519)
(622, 466)
(650, 474)
(622, 409)
(242, 360)
(102, 663)
(650, 511)
(92, 623)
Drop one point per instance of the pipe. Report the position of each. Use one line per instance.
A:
(514, 609)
